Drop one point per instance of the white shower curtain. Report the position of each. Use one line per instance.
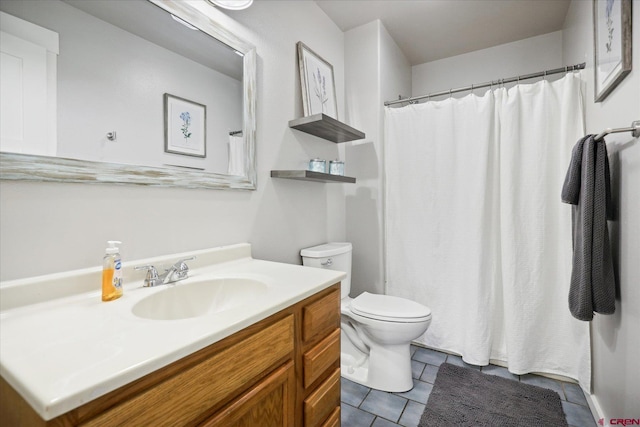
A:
(475, 228)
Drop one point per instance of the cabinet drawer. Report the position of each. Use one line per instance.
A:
(320, 358)
(323, 401)
(334, 419)
(269, 403)
(188, 396)
(322, 316)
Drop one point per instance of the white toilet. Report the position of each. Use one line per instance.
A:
(376, 330)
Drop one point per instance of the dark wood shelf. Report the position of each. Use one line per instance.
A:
(305, 175)
(326, 127)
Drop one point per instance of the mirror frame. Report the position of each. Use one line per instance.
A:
(28, 167)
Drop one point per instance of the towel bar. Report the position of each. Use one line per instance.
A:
(634, 129)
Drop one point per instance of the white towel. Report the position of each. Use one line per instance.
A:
(236, 155)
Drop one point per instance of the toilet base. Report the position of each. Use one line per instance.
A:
(384, 368)
(353, 369)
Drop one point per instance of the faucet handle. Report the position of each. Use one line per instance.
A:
(152, 278)
(185, 259)
(181, 269)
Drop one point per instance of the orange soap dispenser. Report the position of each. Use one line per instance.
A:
(112, 272)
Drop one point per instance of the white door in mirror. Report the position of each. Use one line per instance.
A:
(28, 85)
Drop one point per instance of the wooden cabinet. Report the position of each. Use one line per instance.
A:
(281, 371)
(323, 401)
(270, 403)
(320, 359)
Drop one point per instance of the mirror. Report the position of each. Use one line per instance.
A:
(146, 92)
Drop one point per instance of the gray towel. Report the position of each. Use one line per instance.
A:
(586, 186)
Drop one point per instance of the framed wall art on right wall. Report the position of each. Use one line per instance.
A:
(612, 44)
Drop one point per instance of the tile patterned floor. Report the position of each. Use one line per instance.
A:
(364, 407)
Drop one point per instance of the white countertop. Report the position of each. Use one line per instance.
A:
(62, 351)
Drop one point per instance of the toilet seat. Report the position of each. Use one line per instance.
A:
(389, 308)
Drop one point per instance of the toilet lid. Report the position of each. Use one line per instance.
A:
(388, 307)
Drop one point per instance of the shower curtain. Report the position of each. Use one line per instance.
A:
(475, 229)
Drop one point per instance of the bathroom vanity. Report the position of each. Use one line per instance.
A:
(269, 357)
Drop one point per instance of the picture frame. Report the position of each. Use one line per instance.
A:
(612, 45)
(185, 126)
(318, 83)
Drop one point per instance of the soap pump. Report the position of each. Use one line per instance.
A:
(111, 272)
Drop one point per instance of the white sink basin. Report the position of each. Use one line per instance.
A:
(196, 298)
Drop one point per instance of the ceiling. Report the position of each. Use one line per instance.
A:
(427, 30)
(154, 24)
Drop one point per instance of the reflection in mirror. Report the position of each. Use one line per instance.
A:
(131, 91)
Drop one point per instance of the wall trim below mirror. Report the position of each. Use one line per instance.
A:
(28, 167)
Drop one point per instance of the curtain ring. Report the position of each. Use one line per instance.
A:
(544, 77)
(472, 88)
(450, 93)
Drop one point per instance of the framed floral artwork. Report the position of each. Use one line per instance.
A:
(318, 83)
(612, 44)
(185, 130)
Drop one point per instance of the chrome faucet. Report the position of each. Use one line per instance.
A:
(178, 271)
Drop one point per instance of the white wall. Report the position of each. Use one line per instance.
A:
(52, 227)
(376, 68)
(508, 60)
(362, 158)
(616, 338)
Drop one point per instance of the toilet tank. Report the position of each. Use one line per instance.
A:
(334, 256)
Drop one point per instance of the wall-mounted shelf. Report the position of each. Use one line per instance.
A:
(305, 175)
(327, 128)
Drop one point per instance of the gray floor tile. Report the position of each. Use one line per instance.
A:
(419, 393)
(429, 373)
(416, 368)
(386, 405)
(429, 356)
(499, 371)
(411, 415)
(575, 394)
(352, 393)
(413, 348)
(354, 417)
(543, 382)
(381, 409)
(578, 415)
(457, 360)
(381, 422)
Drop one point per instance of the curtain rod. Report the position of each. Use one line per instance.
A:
(414, 99)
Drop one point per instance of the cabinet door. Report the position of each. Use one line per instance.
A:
(269, 404)
(197, 391)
